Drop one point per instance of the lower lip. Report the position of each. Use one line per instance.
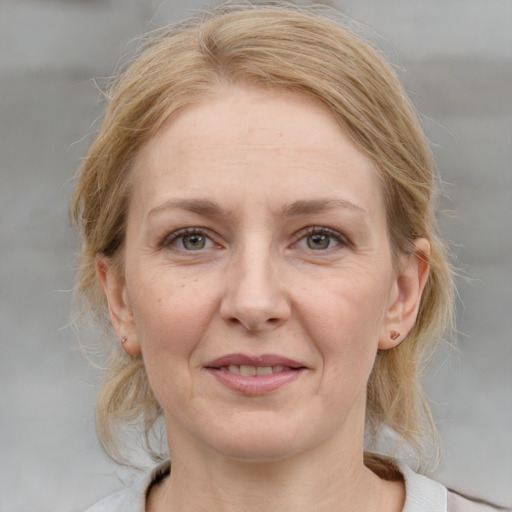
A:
(255, 385)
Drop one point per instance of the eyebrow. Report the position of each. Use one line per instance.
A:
(200, 206)
(295, 209)
(310, 206)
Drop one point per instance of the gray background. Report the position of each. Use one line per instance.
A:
(456, 57)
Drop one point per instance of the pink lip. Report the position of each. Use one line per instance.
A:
(259, 384)
(262, 360)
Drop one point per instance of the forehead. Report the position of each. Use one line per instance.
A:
(256, 142)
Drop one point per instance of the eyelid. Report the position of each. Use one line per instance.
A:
(323, 230)
(170, 238)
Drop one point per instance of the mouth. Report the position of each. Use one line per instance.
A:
(254, 375)
(250, 366)
(254, 371)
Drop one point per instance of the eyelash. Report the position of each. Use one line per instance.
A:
(181, 233)
(341, 240)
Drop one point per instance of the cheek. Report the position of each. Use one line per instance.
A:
(171, 317)
(344, 319)
(170, 313)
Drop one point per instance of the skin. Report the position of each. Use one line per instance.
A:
(296, 262)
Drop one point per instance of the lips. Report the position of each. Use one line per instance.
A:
(266, 360)
(254, 375)
(253, 371)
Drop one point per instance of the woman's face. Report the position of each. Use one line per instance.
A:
(258, 279)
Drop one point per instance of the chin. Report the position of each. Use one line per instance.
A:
(255, 451)
(260, 441)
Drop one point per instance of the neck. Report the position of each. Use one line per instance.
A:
(333, 480)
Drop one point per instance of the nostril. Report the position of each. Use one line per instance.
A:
(254, 325)
(254, 312)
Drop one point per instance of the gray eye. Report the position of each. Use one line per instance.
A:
(318, 241)
(193, 242)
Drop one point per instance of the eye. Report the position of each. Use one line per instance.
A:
(188, 240)
(193, 242)
(321, 239)
(318, 241)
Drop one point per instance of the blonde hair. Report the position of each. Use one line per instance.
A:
(298, 50)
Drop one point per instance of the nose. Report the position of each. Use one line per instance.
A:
(254, 295)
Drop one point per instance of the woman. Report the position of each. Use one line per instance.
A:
(257, 222)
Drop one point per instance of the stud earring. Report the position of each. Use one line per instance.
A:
(123, 339)
(394, 335)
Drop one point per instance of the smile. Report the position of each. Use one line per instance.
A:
(252, 371)
(254, 375)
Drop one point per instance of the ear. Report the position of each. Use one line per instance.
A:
(405, 297)
(121, 316)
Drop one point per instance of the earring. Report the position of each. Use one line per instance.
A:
(123, 340)
(394, 335)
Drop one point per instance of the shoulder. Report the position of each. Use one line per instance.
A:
(426, 495)
(421, 493)
(133, 498)
(459, 503)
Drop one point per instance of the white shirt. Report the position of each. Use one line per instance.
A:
(422, 495)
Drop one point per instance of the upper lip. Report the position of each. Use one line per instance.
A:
(251, 360)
